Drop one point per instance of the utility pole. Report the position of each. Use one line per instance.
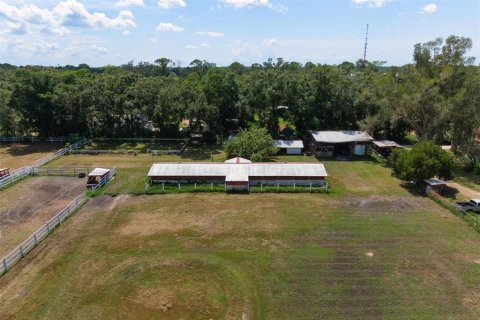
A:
(366, 42)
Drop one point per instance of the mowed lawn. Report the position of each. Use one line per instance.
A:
(261, 256)
(17, 155)
(359, 177)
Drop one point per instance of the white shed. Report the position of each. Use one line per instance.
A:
(289, 146)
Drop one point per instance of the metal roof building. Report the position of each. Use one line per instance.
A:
(341, 143)
(290, 146)
(239, 174)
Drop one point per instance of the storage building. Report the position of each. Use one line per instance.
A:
(339, 143)
(289, 146)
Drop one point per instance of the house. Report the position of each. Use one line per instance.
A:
(239, 174)
(339, 143)
(385, 147)
(289, 146)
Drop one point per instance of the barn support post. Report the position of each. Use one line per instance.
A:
(211, 185)
(310, 187)
(278, 186)
(163, 186)
(195, 186)
(179, 186)
(294, 186)
(225, 186)
(261, 186)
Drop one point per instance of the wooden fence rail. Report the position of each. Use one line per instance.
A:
(60, 171)
(26, 246)
(33, 139)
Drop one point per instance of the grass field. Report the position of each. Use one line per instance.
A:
(16, 155)
(216, 256)
(368, 250)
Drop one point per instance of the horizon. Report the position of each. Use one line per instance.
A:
(101, 33)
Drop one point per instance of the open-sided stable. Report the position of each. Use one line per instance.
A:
(240, 175)
(339, 143)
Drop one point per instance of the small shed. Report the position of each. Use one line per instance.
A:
(289, 146)
(95, 176)
(434, 185)
(385, 147)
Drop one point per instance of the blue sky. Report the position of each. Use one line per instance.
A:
(59, 32)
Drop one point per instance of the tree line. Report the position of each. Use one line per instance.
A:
(436, 97)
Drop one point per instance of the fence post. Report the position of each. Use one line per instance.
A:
(48, 228)
(5, 264)
(35, 238)
(58, 218)
(21, 252)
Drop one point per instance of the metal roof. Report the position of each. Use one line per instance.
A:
(386, 144)
(238, 160)
(98, 172)
(341, 136)
(434, 182)
(289, 144)
(237, 171)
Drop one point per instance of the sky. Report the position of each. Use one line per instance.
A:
(60, 32)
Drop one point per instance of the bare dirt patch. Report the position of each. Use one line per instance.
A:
(464, 192)
(26, 206)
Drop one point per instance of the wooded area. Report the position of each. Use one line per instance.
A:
(436, 97)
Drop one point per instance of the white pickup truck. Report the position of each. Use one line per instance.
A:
(472, 205)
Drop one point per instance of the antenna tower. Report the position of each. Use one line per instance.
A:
(366, 42)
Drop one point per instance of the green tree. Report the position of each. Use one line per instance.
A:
(254, 144)
(425, 160)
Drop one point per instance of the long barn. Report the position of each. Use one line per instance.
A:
(239, 174)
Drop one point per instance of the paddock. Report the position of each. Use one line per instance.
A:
(26, 205)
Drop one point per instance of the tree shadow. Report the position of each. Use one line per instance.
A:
(450, 193)
(200, 152)
(20, 149)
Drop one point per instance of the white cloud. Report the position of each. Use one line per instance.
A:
(130, 3)
(269, 42)
(98, 49)
(191, 47)
(66, 14)
(205, 45)
(429, 8)
(170, 4)
(126, 33)
(372, 3)
(246, 3)
(212, 34)
(167, 26)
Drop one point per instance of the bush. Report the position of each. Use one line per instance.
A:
(425, 160)
(254, 144)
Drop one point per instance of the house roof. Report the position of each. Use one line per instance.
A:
(386, 144)
(98, 172)
(341, 136)
(237, 171)
(238, 160)
(289, 144)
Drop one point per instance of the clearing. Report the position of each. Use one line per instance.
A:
(259, 256)
(27, 205)
(17, 155)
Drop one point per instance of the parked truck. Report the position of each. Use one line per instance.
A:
(472, 205)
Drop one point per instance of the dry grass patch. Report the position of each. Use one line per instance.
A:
(18, 155)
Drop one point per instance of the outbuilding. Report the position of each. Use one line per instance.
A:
(385, 147)
(96, 176)
(434, 185)
(239, 173)
(339, 143)
(289, 146)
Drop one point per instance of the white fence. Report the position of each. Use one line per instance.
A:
(105, 180)
(25, 247)
(22, 172)
(33, 139)
(60, 171)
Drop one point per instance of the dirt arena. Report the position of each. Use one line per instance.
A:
(27, 205)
